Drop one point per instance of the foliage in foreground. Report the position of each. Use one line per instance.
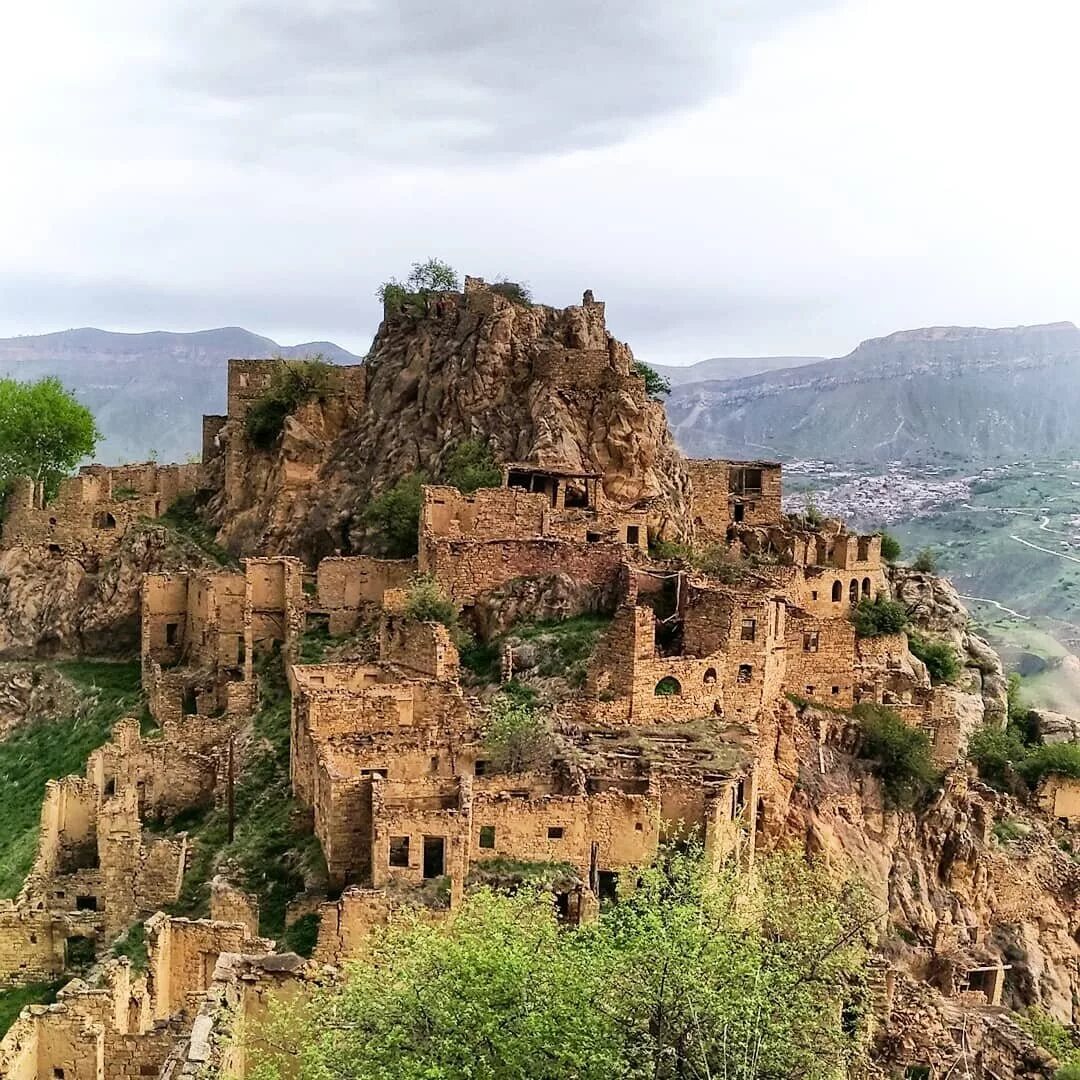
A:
(657, 386)
(901, 754)
(681, 977)
(14, 998)
(1053, 1037)
(890, 547)
(942, 663)
(44, 432)
(425, 279)
(50, 748)
(518, 736)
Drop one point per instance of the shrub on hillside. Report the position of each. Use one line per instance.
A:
(873, 618)
(997, 754)
(1060, 758)
(471, 465)
(657, 387)
(518, 736)
(925, 562)
(890, 547)
(392, 518)
(514, 291)
(901, 754)
(292, 384)
(424, 280)
(940, 658)
(811, 514)
(426, 602)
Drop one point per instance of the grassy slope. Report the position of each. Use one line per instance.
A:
(48, 749)
(14, 998)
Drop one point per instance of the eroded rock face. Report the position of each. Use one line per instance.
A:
(58, 605)
(935, 608)
(534, 382)
(941, 865)
(28, 691)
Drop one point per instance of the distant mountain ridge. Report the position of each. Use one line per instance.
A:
(729, 367)
(933, 394)
(147, 390)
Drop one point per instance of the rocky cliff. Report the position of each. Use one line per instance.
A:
(531, 381)
(917, 395)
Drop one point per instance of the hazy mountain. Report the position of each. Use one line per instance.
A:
(918, 395)
(148, 391)
(729, 367)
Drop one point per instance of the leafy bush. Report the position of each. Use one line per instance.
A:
(392, 518)
(1053, 1037)
(471, 465)
(890, 547)
(939, 657)
(690, 974)
(301, 935)
(1060, 758)
(426, 602)
(874, 618)
(811, 514)
(925, 562)
(133, 946)
(517, 292)
(1009, 829)
(518, 737)
(424, 280)
(901, 753)
(293, 384)
(997, 754)
(657, 387)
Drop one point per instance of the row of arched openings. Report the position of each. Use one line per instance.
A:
(853, 590)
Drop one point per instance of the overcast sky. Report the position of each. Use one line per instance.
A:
(733, 178)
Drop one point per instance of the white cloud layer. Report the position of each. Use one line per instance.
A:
(732, 177)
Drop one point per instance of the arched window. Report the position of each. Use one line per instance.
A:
(837, 592)
(853, 592)
(668, 687)
(104, 520)
(710, 677)
(866, 588)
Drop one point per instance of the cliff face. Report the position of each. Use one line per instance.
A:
(534, 382)
(56, 606)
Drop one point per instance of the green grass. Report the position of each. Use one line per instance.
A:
(273, 854)
(133, 946)
(182, 518)
(48, 749)
(13, 999)
(302, 936)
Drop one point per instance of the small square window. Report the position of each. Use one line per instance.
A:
(746, 673)
(399, 851)
(593, 538)
(480, 768)
(813, 594)
(836, 689)
(810, 691)
(555, 832)
(638, 827)
(487, 836)
(811, 639)
(749, 629)
(58, 1073)
(633, 534)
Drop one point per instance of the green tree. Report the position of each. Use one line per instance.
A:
(392, 518)
(471, 465)
(657, 387)
(901, 754)
(687, 975)
(925, 562)
(811, 514)
(424, 280)
(873, 618)
(426, 602)
(1060, 758)
(890, 547)
(940, 658)
(517, 736)
(44, 432)
(293, 383)
(997, 754)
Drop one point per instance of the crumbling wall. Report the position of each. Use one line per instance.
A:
(346, 586)
(724, 493)
(424, 648)
(820, 659)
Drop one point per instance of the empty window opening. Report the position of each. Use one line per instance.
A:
(86, 903)
(562, 907)
(555, 832)
(104, 520)
(853, 593)
(813, 594)
(191, 703)
(172, 633)
(746, 481)
(58, 1073)
(434, 763)
(576, 497)
(434, 856)
(79, 951)
(638, 827)
(110, 788)
(668, 686)
(487, 836)
(810, 691)
(608, 883)
(918, 1072)
(866, 588)
(243, 380)
(738, 512)
(710, 677)
(399, 851)
(54, 549)
(480, 768)
(811, 639)
(837, 592)
(748, 631)
(593, 538)
(836, 689)
(52, 521)
(633, 534)
(746, 673)
(864, 548)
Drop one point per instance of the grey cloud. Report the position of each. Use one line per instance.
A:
(422, 79)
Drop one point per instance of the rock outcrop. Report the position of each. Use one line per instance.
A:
(535, 383)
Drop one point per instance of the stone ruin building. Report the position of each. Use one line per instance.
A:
(387, 751)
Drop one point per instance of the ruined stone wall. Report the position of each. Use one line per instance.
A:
(820, 659)
(229, 904)
(466, 569)
(346, 924)
(733, 492)
(345, 586)
(424, 648)
(1059, 796)
(32, 943)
